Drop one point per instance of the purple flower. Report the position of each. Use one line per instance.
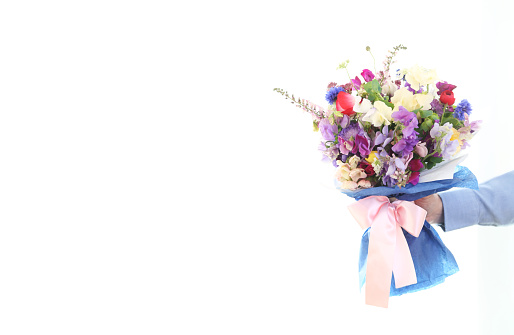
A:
(437, 106)
(463, 107)
(384, 137)
(356, 83)
(403, 115)
(411, 89)
(367, 75)
(394, 170)
(343, 121)
(361, 145)
(408, 119)
(444, 86)
(329, 154)
(328, 131)
(405, 146)
(350, 132)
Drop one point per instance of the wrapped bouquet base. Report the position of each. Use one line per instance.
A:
(401, 252)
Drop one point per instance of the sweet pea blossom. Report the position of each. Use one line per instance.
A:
(421, 149)
(403, 97)
(362, 145)
(384, 137)
(367, 75)
(330, 153)
(350, 176)
(354, 162)
(418, 76)
(364, 183)
(357, 174)
(327, 130)
(356, 83)
(362, 106)
(444, 86)
(444, 144)
(389, 88)
(379, 115)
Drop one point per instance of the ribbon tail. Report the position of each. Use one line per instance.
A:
(403, 266)
(381, 250)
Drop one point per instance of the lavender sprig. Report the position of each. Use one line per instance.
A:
(306, 105)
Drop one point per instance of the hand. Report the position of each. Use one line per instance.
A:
(434, 207)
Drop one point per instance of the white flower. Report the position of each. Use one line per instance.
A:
(417, 76)
(438, 130)
(389, 88)
(362, 107)
(424, 100)
(377, 166)
(410, 101)
(379, 115)
(354, 161)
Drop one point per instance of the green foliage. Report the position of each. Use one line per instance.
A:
(373, 89)
(455, 122)
(427, 125)
(425, 114)
(432, 161)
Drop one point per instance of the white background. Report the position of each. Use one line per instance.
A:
(151, 182)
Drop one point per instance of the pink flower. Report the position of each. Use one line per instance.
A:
(356, 83)
(367, 75)
(414, 178)
(364, 183)
(415, 165)
(357, 174)
(421, 149)
(345, 146)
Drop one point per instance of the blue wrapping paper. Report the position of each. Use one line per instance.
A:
(432, 260)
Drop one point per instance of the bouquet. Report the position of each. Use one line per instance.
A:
(393, 140)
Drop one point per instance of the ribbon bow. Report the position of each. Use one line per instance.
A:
(388, 251)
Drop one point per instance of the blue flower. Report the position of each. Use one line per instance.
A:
(331, 95)
(463, 107)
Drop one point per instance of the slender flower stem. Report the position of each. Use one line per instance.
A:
(301, 103)
(374, 66)
(348, 74)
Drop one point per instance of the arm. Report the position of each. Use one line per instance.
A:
(491, 205)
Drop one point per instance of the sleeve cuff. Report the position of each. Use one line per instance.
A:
(460, 209)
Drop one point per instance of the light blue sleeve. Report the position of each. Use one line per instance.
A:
(491, 205)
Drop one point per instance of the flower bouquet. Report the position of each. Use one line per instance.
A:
(392, 141)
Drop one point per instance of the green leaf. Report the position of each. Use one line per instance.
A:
(338, 113)
(389, 104)
(425, 114)
(429, 165)
(375, 85)
(435, 160)
(456, 123)
(372, 86)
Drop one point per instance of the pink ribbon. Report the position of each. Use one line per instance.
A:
(388, 251)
